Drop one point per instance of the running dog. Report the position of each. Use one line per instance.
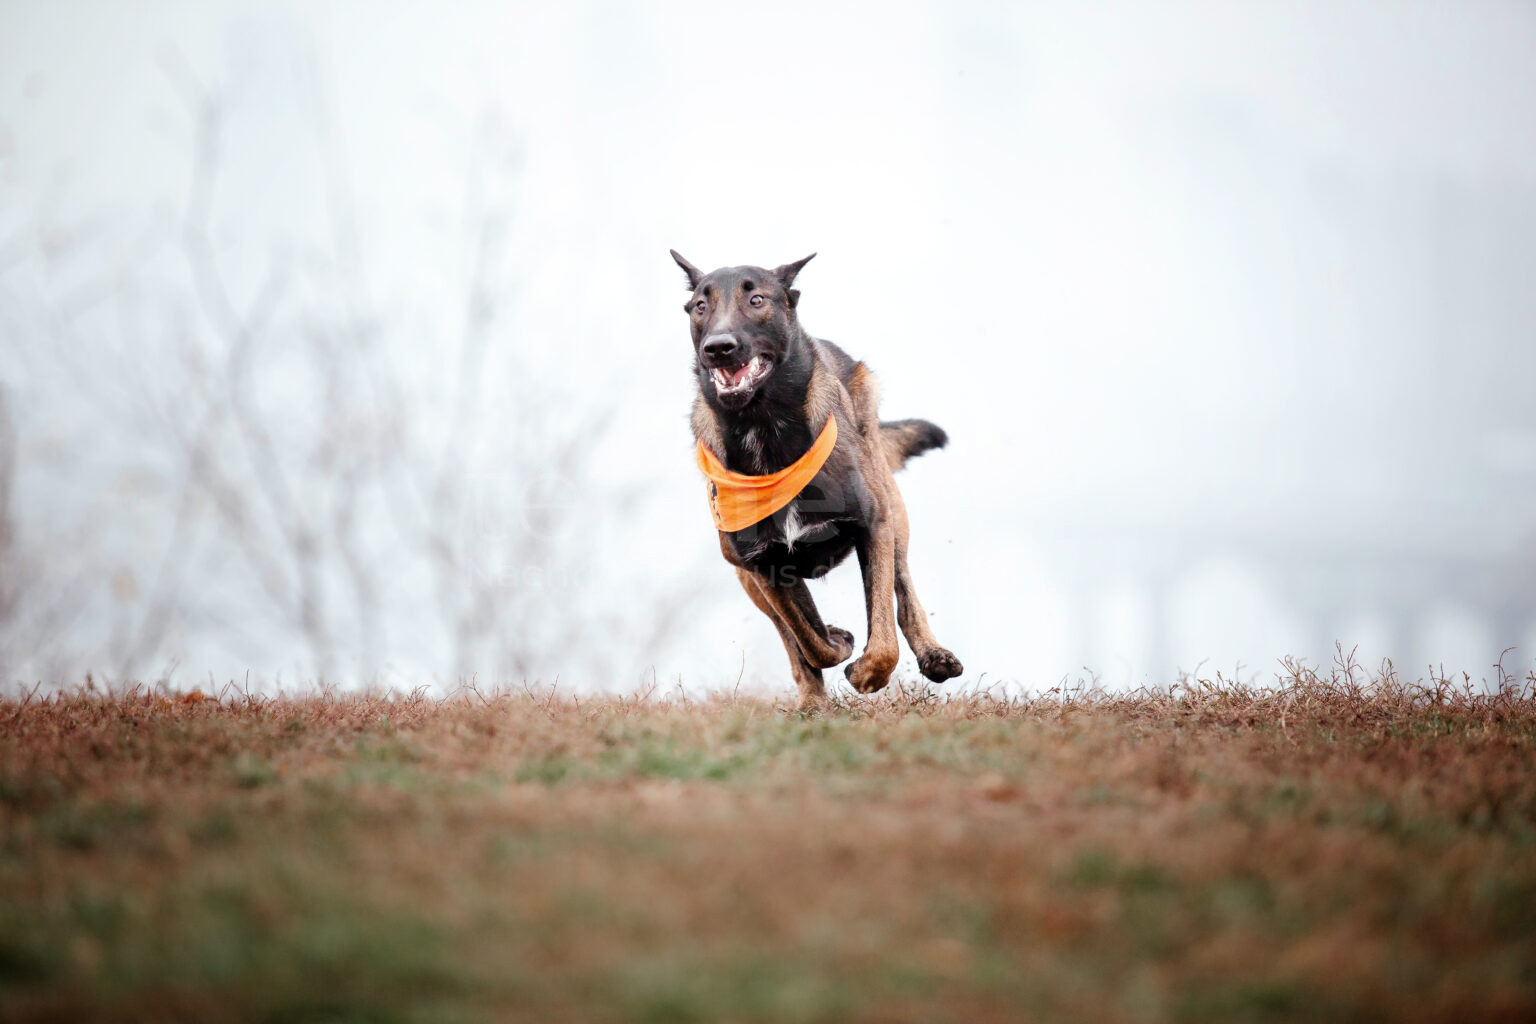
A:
(800, 473)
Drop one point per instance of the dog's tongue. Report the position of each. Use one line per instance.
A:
(740, 375)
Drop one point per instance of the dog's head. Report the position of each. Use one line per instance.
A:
(744, 327)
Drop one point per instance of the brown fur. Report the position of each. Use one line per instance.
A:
(871, 518)
(905, 438)
(891, 599)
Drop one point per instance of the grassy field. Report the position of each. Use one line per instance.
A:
(1318, 850)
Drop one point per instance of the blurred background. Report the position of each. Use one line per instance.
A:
(340, 341)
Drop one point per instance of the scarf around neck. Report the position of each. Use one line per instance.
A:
(737, 501)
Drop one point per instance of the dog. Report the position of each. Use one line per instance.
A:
(801, 473)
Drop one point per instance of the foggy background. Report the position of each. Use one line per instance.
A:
(340, 341)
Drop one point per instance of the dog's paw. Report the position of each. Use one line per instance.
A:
(938, 664)
(869, 674)
(840, 638)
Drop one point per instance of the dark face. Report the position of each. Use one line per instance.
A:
(743, 324)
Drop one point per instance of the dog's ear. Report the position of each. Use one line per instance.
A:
(695, 275)
(786, 275)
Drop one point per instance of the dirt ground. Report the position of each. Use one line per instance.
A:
(1318, 850)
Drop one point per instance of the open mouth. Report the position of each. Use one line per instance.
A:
(741, 379)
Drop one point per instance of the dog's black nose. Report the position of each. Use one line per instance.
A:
(721, 349)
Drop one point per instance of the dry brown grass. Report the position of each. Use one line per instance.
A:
(1329, 848)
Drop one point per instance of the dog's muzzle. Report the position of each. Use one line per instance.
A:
(721, 350)
(741, 379)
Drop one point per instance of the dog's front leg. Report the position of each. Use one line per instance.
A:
(877, 562)
(821, 645)
(813, 694)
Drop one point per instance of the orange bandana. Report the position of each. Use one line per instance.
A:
(737, 500)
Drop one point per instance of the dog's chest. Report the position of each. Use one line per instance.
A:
(819, 527)
(793, 545)
(803, 522)
(810, 535)
(802, 527)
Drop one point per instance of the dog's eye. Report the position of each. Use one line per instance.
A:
(698, 307)
(756, 300)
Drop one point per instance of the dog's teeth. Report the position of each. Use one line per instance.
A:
(735, 380)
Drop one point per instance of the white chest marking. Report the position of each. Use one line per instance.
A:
(793, 528)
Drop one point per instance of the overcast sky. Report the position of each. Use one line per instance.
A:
(1228, 309)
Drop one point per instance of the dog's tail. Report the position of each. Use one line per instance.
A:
(902, 439)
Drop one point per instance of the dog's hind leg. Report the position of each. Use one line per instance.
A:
(937, 663)
(807, 674)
